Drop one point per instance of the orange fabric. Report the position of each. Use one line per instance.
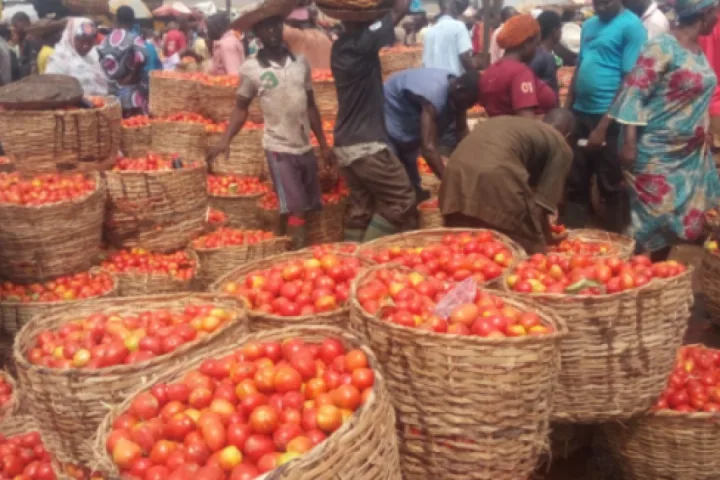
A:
(518, 30)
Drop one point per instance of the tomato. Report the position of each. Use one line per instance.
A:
(257, 446)
(329, 418)
(355, 359)
(264, 420)
(287, 379)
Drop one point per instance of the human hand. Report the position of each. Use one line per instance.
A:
(596, 139)
(221, 147)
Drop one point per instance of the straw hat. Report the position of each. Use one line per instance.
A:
(268, 9)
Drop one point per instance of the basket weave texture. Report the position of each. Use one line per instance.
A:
(38, 243)
(131, 284)
(50, 140)
(621, 246)
(431, 182)
(467, 407)
(73, 402)
(710, 281)
(136, 142)
(364, 448)
(242, 211)
(261, 321)
(325, 226)
(172, 95)
(183, 138)
(620, 349)
(393, 62)
(430, 218)
(160, 211)
(216, 262)
(245, 156)
(217, 101)
(326, 98)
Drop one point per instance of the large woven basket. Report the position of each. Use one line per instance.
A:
(14, 315)
(50, 140)
(710, 281)
(666, 445)
(10, 408)
(261, 321)
(245, 156)
(242, 210)
(217, 101)
(397, 60)
(22, 424)
(430, 218)
(73, 402)
(131, 284)
(38, 243)
(326, 98)
(160, 210)
(430, 182)
(172, 95)
(620, 245)
(364, 448)
(620, 349)
(325, 226)
(183, 138)
(468, 407)
(216, 262)
(136, 142)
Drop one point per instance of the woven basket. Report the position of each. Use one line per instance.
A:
(73, 402)
(325, 226)
(14, 315)
(172, 95)
(217, 101)
(326, 98)
(566, 439)
(349, 248)
(183, 138)
(261, 321)
(242, 211)
(621, 246)
(133, 284)
(255, 114)
(216, 262)
(364, 448)
(51, 140)
(430, 218)
(620, 350)
(160, 210)
(710, 281)
(136, 142)
(48, 241)
(22, 424)
(245, 156)
(10, 408)
(667, 445)
(396, 61)
(468, 407)
(431, 182)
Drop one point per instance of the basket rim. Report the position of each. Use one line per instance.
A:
(197, 165)
(280, 239)
(561, 328)
(94, 271)
(99, 188)
(252, 195)
(189, 251)
(137, 303)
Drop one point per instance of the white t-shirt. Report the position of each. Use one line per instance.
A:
(655, 21)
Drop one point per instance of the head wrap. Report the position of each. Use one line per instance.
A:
(518, 30)
(688, 8)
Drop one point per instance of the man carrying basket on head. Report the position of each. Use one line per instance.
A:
(283, 83)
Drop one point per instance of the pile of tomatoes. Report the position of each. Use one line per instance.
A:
(430, 204)
(322, 75)
(107, 339)
(220, 127)
(177, 265)
(216, 217)
(235, 185)
(583, 247)
(241, 415)
(6, 391)
(44, 189)
(325, 248)
(585, 275)
(298, 287)
(222, 80)
(24, 457)
(694, 385)
(152, 162)
(69, 287)
(269, 201)
(231, 237)
(136, 121)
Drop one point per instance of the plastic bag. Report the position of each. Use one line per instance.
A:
(464, 292)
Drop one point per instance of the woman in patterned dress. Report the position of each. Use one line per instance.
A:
(663, 109)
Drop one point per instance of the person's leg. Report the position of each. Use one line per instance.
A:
(360, 205)
(611, 183)
(287, 171)
(577, 205)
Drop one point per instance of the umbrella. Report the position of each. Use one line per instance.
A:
(140, 9)
(173, 9)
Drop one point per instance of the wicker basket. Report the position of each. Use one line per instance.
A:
(326, 98)
(246, 155)
(710, 281)
(217, 101)
(22, 424)
(620, 349)
(364, 448)
(38, 243)
(51, 140)
(325, 226)
(133, 284)
(261, 321)
(216, 262)
(136, 142)
(468, 407)
(621, 246)
(10, 408)
(73, 402)
(430, 182)
(396, 61)
(183, 138)
(667, 445)
(242, 211)
(14, 315)
(430, 218)
(160, 210)
(566, 439)
(172, 95)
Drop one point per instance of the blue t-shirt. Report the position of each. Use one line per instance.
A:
(402, 109)
(608, 52)
(444, 43)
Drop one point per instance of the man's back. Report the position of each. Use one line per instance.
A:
(444, 43)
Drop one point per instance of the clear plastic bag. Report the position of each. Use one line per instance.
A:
(464, 292)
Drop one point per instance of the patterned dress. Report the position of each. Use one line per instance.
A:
(123, 56)
(673, 180)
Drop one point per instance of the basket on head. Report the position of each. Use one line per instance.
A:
(23, 424)
(620, 349)
(364, 448)
(15, 314)
(131, 284)
(158, 210)
(183, 138)
(710, 281)
(353, 10)
(216, 262)
(259, 320)
(396, 59)
(10, 408)
(51, 140)
(41, 242)
(245, 156)
(136, 141)
(87, 7)
(617, 245)
(467, 407)
(171, 93)
(72, 402)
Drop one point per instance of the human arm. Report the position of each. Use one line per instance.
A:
(429, 139)
(464, 46)
(461, 125)
(5, 66)
(551, 184)
(237, 120)
(400, 8)
(628, 150)
(316, 124)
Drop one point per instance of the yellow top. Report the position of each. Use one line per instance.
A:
(43, 57)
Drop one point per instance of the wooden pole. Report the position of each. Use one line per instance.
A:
(486, 5)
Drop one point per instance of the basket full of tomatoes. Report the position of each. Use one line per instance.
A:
(237, 197)
(325, 93)
(50, 224)
(430, 216)
(182, 133)
(400, 57)
(76, 364)
(172, 92)
(136, 136)
(245, 155)
(303, 402)
(627, 317)
(24, 453)
(680, 436)
(591, 242)
(471, 372)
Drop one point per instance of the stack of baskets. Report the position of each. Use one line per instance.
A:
(136, 137)
(245, 156)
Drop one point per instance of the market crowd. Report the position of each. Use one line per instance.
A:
(637, 120)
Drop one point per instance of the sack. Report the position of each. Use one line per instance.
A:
(41, 92)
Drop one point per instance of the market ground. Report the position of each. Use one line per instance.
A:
(593, 465)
